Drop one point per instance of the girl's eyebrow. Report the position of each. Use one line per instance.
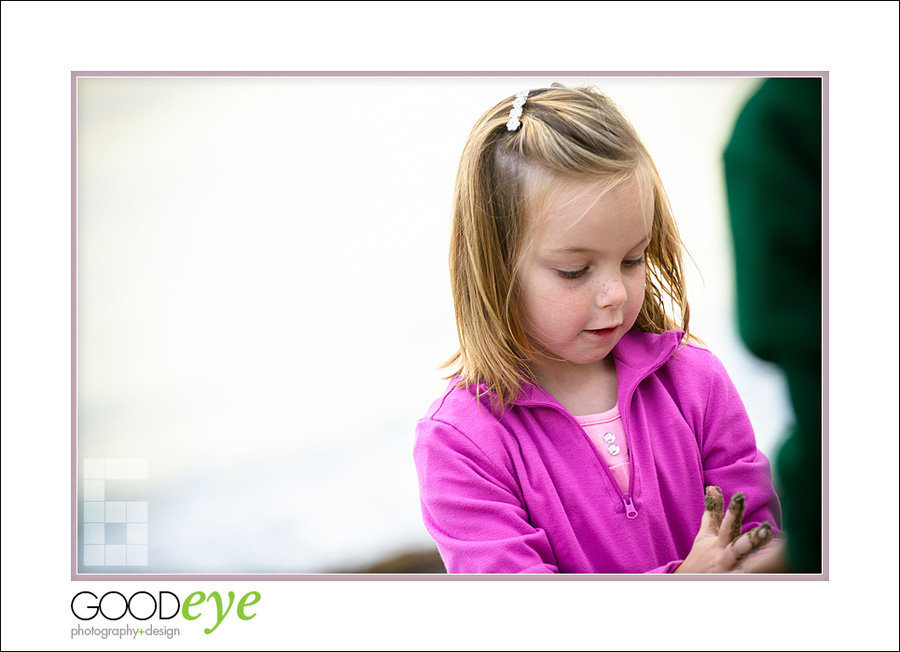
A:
(589, 250)
(573, 250)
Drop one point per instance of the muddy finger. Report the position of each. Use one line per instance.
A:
(736, 507)
(714, 504)
(752, 540)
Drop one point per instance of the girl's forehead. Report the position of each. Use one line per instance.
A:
(613, 204)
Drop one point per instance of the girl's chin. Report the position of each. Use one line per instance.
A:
(581, 359)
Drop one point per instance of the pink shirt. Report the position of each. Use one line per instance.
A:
(606, 431)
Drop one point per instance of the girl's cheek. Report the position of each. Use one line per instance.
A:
(563, 297)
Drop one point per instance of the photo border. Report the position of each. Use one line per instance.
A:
(76, 576)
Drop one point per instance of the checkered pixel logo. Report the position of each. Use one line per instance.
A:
(115, 527)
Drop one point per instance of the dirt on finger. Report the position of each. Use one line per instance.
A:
(737, 506)
(715, 505)
(755, 539)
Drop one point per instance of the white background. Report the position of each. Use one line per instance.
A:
(43, 42)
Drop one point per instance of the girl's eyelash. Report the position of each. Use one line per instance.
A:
(571, 274)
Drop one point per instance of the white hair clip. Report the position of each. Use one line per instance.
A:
(516, 112)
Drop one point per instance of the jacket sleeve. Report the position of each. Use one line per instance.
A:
(473, 508)
(730, 457)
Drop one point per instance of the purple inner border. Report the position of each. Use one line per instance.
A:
(75, 576)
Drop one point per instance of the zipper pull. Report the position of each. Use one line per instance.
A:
(630, 511)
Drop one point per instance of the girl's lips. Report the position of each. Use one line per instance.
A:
(602, 332)
(608, 329)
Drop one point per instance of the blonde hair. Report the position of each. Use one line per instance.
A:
(570, 133)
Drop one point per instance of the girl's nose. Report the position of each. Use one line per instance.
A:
(612, 293)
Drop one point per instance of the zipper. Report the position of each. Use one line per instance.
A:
(627, 500)
(630, 510)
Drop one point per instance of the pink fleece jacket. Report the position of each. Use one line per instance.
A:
(526, 491)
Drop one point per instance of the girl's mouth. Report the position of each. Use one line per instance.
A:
(601, 332)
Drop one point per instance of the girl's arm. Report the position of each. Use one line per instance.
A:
(473, 509)
(730, 457)
(734, 467)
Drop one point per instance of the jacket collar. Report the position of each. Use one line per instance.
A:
(637, 355)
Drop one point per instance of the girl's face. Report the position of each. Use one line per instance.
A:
(581, 280)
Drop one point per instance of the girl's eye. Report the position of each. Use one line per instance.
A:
(571, 274)
(634, 262)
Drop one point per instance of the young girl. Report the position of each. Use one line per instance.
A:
(582, 431)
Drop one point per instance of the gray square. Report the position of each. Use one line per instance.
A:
(115, 533)
(93, 555)
(94, 490)
(93, 468)
(137, 533)
(94, 533)
(93, 512)
(137, 512)
(116, 469)
(115, 555)
(115, 512)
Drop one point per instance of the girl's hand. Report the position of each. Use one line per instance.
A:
(719, 546)
(771, 559)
